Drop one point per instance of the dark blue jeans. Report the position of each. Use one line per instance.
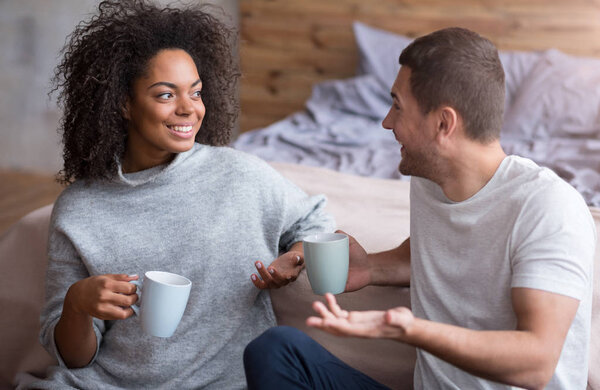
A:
(286, 358)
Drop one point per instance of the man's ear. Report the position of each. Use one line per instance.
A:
(447, 121)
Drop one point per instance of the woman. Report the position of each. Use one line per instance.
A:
(147, 96)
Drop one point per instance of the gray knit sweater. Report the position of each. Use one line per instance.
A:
(208, 215)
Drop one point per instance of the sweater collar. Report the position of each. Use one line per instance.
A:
(155, 173)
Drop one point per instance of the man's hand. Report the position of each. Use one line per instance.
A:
(392, 324)
(283, 270)
(359, 273)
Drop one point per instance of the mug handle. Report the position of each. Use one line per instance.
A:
(135, 307)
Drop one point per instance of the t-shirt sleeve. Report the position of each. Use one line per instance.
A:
(553, 243)
(64, 269)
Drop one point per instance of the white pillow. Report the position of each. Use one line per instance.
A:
(379, 51)
(559, 98)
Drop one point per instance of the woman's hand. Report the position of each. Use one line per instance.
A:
(283, 270)
(107, 297)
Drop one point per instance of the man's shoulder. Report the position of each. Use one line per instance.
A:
(539, 185)
(542, 201)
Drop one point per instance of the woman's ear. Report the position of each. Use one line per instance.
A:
(125, 110)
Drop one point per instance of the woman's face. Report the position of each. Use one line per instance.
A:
(165, 112)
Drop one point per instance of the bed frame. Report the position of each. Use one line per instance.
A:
(288, 45)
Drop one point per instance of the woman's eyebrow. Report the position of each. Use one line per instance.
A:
(171, 85)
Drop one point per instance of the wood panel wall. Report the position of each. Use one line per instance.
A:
(288, 45)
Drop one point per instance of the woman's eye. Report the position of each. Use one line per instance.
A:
(197, 93)
(165, 96)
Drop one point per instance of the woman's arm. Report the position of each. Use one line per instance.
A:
(107, 297)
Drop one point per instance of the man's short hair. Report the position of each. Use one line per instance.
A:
(459, 68)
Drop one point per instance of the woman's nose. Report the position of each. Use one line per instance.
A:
(184, 106)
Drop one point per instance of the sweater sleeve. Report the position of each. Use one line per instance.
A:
(64, 269)
(301, 214)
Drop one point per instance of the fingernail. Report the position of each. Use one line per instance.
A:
(297, 259)
(271, 270)
(253, 277)
(132, 275)
(258, 265)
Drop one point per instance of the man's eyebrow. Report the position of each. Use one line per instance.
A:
(171, 85)
(393, 95)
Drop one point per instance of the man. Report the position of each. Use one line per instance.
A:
(500, 256)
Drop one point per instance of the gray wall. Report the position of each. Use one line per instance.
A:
(32, 32)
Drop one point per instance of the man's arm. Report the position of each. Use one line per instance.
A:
(389, 268)
(524, 357)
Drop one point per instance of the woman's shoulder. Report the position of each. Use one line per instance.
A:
(237, 161)
(77, 199)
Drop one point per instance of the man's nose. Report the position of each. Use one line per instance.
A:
(387, 122)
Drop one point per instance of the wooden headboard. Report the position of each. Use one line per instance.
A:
(288, 45)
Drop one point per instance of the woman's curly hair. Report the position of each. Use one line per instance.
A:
(104, 56)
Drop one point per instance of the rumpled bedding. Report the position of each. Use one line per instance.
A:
(552, 115)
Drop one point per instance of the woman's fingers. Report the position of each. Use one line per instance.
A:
(266, 276)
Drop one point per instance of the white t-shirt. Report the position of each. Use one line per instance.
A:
(525, 228)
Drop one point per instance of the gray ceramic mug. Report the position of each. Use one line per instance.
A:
(164, 297)
(326, 256)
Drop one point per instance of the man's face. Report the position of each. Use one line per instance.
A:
(413, 130)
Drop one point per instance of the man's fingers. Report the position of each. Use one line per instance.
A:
(329, 325)
(400, 317)
(322, 310)
(334, 307)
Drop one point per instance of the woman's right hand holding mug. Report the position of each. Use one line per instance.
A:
(106, 297)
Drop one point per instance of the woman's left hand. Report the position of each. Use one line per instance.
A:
(283, 270)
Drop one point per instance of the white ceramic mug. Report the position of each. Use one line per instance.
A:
(163, 298)
(326, 256)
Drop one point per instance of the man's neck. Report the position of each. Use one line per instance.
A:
(471, 169)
